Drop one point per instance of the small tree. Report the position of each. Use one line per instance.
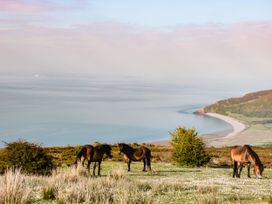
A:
(30, 157)
(188, 148)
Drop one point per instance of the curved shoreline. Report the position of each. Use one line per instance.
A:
(236, 124)
(237, 127)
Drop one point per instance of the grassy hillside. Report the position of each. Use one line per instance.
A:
(254, 110)
(166, 184)
(254, 105)
(220, 157)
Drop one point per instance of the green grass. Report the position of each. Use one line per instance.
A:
(167, 183)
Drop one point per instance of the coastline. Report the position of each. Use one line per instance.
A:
(237, 127)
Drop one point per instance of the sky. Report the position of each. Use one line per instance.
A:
(227, 41)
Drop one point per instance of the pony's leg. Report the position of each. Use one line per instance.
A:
(89, 164)
(94, 167)
(149, 164)
(82, 161)
(99, 168)
(144, 160)
(234, 169)
(129, 162)
(239, 169)
(248, 170)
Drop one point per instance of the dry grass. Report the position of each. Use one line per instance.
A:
(167, 184)
(13, 189)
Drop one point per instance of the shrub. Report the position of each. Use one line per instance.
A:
(188, 148)
(29, 157)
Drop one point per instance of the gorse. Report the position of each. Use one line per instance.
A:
(29, 157)
(188, 149)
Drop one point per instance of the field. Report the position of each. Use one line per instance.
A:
(258, 132)
(167, 183)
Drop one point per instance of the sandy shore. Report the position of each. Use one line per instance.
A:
(236, 125)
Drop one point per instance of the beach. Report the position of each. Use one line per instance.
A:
(216, 138)
(236, 125)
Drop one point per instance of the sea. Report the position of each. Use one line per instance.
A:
(56, 110)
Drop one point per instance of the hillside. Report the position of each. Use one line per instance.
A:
(167, 183)
(254, 110)
(257, 104)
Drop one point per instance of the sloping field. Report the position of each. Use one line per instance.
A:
(166, 184)
(257, 105)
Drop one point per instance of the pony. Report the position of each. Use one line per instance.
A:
(241, 155)
(93, 153)
(131, 154)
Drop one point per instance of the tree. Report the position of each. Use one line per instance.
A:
(188, 148)
(30, 157)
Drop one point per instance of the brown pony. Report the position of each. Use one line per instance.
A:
(93, 153)
(131, 154)
(245, 155)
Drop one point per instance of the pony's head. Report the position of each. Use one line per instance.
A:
(258, 170)
(121, 146)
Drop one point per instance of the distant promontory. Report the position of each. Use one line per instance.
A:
(254, 110)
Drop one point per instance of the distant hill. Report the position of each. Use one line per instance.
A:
(257, 105)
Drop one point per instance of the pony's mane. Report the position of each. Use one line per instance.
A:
(126, 146)
(103, 146)
(253, 154)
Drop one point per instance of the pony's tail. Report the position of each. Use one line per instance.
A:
(81, 153)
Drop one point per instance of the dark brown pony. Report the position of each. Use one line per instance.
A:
(131, 154)
(93, 153)
(244, 155)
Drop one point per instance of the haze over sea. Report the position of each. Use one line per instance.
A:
(58, 110)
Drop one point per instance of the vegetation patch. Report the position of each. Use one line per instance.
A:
(29, 157)
(188, 148)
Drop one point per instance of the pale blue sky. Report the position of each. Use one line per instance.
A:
(173, 12)
(141, 12)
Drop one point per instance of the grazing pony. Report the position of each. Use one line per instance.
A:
(245, 155)
(131, 154)
(93, 153)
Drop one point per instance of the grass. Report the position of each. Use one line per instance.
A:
(220, 157)
(13, 189)
(167, 183)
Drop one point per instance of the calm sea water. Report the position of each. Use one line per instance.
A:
(59, 110)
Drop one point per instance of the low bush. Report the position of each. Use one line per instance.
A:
(188, 148)
(29, 157)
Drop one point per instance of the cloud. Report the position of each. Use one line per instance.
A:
(23, 6)
(236, 53)
(26, 6)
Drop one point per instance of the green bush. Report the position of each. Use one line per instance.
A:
(188, 148)
(30, 157)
